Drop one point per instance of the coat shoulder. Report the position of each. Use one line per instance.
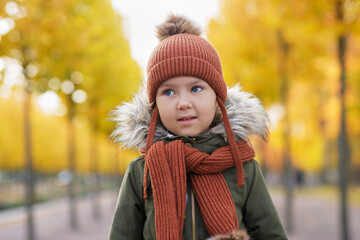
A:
(136, 168)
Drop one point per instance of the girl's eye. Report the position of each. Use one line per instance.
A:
(168, 92)
(196, 89)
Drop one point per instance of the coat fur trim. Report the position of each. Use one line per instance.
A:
(246, 115)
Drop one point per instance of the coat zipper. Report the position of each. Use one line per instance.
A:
(193, 214)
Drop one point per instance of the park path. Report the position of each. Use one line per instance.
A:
(315, 218)
(52, 220)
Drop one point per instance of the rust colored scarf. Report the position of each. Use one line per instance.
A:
(168, 164)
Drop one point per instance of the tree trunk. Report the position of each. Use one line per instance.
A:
(288, 168)
(71, 165)
(29, 171)
(327, 143)
(343, 147)
(95, 170)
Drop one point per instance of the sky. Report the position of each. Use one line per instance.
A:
(142, 16)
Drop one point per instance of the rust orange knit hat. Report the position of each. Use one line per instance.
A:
(183, 52)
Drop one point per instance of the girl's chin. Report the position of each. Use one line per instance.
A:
(188, 132)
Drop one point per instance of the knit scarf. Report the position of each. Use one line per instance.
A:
(168, 164)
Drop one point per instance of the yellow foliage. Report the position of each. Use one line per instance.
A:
(49, 136)
(11, 132)
(50, 142)
(60, 38)
(262, 44)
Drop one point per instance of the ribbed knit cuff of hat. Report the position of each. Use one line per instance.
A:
(185, 66)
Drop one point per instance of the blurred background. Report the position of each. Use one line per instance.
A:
(64, 65)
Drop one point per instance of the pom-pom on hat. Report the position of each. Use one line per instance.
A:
(183, 52)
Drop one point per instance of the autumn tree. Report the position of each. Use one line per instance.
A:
(80, 45)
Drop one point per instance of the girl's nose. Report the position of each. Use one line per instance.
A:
(184, 103)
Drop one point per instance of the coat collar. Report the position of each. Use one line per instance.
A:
(246, 115)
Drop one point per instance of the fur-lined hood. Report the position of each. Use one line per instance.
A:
(246, 115)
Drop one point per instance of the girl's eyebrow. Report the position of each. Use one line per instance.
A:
(197, 82)
(165, 85)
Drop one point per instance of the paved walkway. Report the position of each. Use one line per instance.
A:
(314, 219)
(52, 220)
(317, 218)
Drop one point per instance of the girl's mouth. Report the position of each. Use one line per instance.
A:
(186, 120)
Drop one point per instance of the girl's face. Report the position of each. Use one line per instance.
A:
(187, 105)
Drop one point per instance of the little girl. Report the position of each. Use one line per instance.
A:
(197, 178)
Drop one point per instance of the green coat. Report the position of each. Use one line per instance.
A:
(134, 215)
